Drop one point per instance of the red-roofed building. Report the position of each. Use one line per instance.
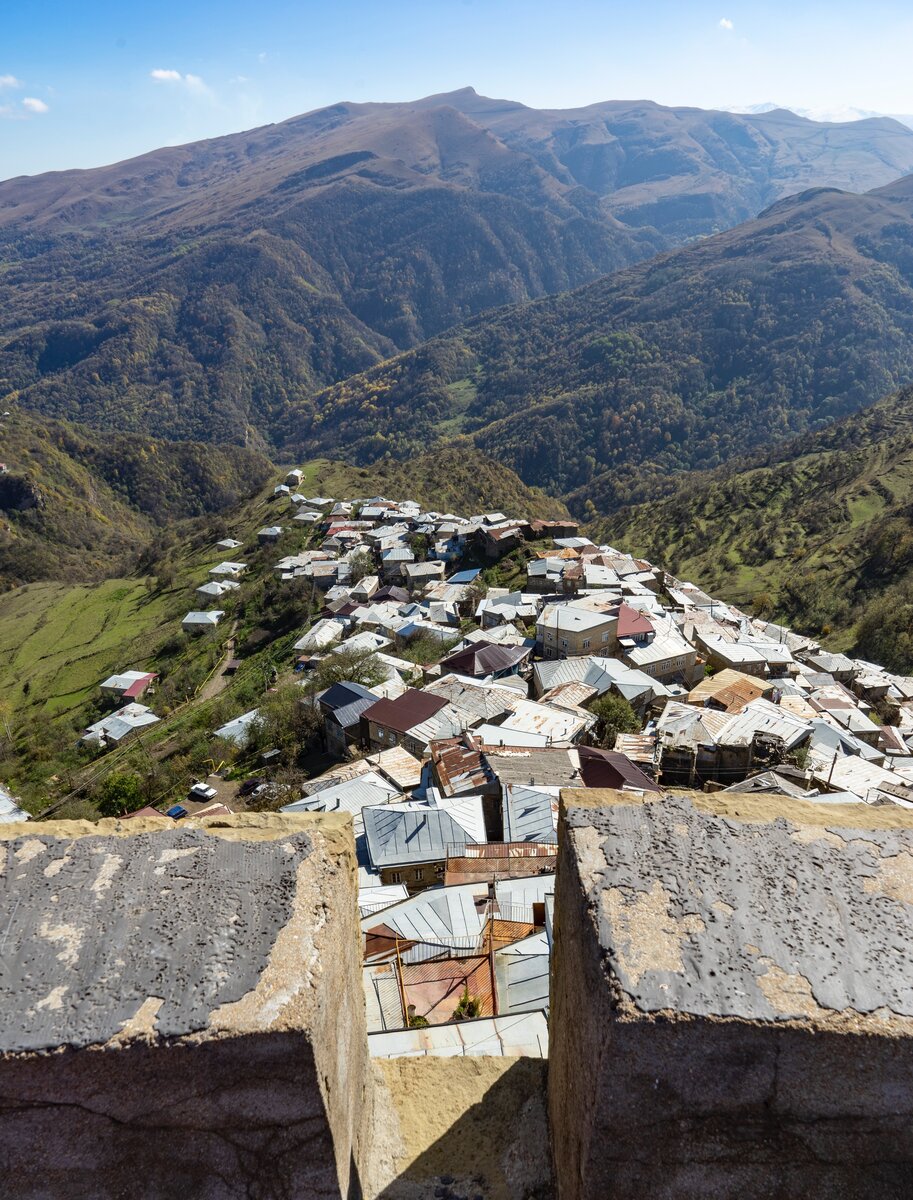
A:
(390, 722)
(129, 685)
(632, 623)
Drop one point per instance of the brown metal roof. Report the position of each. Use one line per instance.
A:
(598, 767)
(406, 711)
(460, 765)
(485, 658)
(730, 688)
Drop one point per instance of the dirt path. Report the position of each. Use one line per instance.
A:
(218, 680)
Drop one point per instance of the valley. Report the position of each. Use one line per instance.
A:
(567, 315)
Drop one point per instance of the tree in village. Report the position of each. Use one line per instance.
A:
(288, 720)
(614, 715)
(348, 666)
(121, 792)
(361, 564)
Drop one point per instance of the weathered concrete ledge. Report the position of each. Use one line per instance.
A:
(182, 1009)
(732, 998)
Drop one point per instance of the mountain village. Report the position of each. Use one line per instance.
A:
(599, 671)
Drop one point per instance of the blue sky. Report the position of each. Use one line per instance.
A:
(84, 82)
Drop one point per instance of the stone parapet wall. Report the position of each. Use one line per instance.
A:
(731, 1002)
(182, 1007)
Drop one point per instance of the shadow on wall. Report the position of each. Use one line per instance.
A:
(468, 1128)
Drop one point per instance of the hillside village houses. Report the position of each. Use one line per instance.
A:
(452, 763)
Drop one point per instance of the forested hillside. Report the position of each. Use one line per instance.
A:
(682, 363)
(76, 506)
(819, 531)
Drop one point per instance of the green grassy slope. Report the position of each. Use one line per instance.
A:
(455, 478)
(58, 640)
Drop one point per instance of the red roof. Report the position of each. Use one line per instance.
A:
(138, 687)
(406, 711)
(632, 622)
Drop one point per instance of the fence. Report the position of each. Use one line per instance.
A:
(486, 850)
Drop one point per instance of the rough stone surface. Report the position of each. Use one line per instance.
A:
(715, 916)
(731, 999)
(182, 1010)
(94, 931)
(463, 1128)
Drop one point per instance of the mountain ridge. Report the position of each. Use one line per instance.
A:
(817, 530)
(199, 292)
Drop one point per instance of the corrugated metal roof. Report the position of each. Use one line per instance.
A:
(760, 716)
(351, 796)
(409, 834)
(524, 891)
(558, 724)
(475, 701)
(495, 735)
(728, 679)
(398, 765)
(383, 1000)
(460, 766)
(534, 767)
(445, 916)
(530, 814)
(522, 980)
(485, 658)
(372, 899)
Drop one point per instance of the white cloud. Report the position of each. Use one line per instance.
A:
(262, 56)
(34, 106)
(726, 24)
(10, 81)
(191, 83)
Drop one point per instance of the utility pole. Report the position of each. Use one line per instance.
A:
(831, 771)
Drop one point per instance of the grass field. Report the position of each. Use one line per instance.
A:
(64, 639)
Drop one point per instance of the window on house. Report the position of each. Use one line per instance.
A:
(605, 636)
(419, 874)
(396, 877)
(564, 643)
(586, 643)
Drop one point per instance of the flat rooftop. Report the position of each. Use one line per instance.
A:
(761, 908)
